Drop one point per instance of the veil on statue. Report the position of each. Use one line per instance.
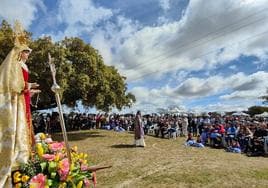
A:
(11, 77)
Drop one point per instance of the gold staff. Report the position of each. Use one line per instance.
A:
(56, 89)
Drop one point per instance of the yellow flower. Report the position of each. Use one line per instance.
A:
(42, 136)
(17, 177)
(80, 184)
(81, 155)
(57, 157)
(18, 185)
(63, 185)
(69, 178)
(34, 185)
(39, 149)
(72, 167)
(74, 148)
(25, 178)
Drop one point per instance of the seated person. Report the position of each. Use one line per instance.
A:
(163, 127)
(199, 142)
(191, 142)
(215, 136)
(235, 147)
(172, 130)
(258, 140)
(119, 128)
(204, 135)
(244, 136)
(231, 134)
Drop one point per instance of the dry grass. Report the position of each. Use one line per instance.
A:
(166, 162)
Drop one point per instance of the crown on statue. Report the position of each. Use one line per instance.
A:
(21, 38)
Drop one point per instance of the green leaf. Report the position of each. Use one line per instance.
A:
(43, 166)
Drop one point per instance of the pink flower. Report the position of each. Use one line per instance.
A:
(38, 181)
(84, 167)
(56, 146)
(61, 155)
(49, 157)
(63, 169)
(87, 183)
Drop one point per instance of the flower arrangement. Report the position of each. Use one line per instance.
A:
(49, 167)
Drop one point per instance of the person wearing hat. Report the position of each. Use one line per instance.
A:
(15, 116)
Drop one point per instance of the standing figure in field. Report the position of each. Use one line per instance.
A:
(138, 130)
(15, 116)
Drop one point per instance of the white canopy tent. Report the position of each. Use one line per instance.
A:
(176, 111)
(162, 110)
(239, 114)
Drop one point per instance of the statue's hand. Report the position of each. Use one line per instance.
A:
(33, 85)
(34, 91)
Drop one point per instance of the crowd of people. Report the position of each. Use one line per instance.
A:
(240, 134)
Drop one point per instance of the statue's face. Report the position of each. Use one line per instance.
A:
(24, 55)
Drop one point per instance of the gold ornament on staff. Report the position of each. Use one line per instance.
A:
(56, 89)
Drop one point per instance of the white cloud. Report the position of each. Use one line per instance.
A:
(24, 11)
(108, 40)
(150, 100)
(224, 106)
(261, 64)
(244, 86)
(99, 42)
(165, 4)
(41, 6)
(79, 18)
(208, 35)
(242, 95)
(233, 67)
(162, 20)
(84, 12)
(239, 87)
(178, 77)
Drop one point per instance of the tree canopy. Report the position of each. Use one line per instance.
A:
(81, 72)
(253, 110)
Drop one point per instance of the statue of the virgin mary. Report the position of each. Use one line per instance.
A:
(15, 117)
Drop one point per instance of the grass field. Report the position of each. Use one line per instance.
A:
(166, 162)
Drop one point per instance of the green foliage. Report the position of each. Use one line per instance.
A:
(96, 84)
(40, 71)
(81, 73)
(32, 167)
(257, 110)
(6, 40)
(265, 98)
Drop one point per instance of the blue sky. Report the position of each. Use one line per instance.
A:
(200, 55)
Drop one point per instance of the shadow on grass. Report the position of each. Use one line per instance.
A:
(75, 136)
(123, 146)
